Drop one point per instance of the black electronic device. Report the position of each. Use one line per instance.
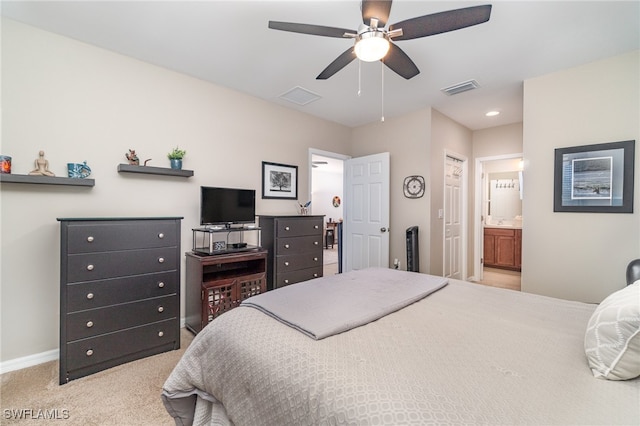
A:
(227, 206)
(413, 253)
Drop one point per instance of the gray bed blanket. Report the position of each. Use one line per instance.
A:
(465, 355)
(323, 308)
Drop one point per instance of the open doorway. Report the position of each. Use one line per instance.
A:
(326, 189)
(498, 226)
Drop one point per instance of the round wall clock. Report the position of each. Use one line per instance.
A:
(413, 186)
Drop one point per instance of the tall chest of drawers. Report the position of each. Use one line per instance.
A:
(119, 291)
(294, 245)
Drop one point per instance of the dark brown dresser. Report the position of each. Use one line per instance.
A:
(295, 246)
(119, 291)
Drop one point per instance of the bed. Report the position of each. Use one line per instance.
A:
(461, 354)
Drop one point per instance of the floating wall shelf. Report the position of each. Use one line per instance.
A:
(128, 168)
(46, 180)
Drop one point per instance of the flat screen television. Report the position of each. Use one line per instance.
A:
(227, 206)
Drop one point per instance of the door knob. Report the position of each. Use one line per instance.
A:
(383, 229)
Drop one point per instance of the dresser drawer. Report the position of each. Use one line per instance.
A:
(96, 294)
(309, 243)
(119, 317)
(86, 352)
(298, 226)
(90, 237)
(298, 261)
(98, 266)
(285, 278)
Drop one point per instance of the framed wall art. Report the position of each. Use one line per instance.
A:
(594, 178)
(279, 181)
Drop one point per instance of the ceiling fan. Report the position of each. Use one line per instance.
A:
(373, 42)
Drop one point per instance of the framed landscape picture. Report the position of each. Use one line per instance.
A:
(279, 181)
(594, 178)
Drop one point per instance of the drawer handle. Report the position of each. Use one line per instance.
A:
(89, 267)
(286, 228)
(89, 296)
(315, 275)
(315, 227)
(315, 243)
(315, 259)
(286, 263)
(90, 239)
(160, 333)
(160, 309)
(90, 352)
(89, 324)
(161, 260)
(161, 235)
(161, 284)
(286, 246)
(286, 281)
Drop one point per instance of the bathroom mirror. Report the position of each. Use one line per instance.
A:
(504, 196)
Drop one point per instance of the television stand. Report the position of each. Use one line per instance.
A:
(218, 240)
(217, 284)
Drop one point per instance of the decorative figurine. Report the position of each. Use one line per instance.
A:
(42, 166)
(133, 158)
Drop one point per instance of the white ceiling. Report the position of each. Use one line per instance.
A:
(228, 43)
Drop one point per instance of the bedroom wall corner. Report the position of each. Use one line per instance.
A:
(578, 256)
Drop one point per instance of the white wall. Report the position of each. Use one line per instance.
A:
(579, 256)
(325, 186)
(496, 141)
(77, 102)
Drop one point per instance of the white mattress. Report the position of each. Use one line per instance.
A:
(467, 354)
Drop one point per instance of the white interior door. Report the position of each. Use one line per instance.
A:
(453, 218)
(366, 209)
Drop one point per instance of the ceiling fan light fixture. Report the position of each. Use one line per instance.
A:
(371, 46)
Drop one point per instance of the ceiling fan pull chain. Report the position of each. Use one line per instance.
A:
(359, 77)
(382, 94)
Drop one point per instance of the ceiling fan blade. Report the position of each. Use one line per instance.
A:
(318, 30)
(376, 9)
(442, 22)
(340, 62)
(400, 63)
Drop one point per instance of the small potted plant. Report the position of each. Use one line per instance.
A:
(175, 157)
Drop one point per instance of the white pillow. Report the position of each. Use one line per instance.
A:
(612, 340)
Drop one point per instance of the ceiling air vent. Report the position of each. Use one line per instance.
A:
(299, 96)
(460, 87)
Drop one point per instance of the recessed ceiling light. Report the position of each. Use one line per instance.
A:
(492, 113)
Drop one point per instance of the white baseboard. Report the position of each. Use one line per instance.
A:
(28, 361)
(41, 358)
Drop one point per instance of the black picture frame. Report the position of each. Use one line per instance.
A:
(594, 178)
(279, 181)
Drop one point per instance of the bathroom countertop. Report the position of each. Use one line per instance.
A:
(505, 226)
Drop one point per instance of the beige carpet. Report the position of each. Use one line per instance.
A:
(128, 394)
